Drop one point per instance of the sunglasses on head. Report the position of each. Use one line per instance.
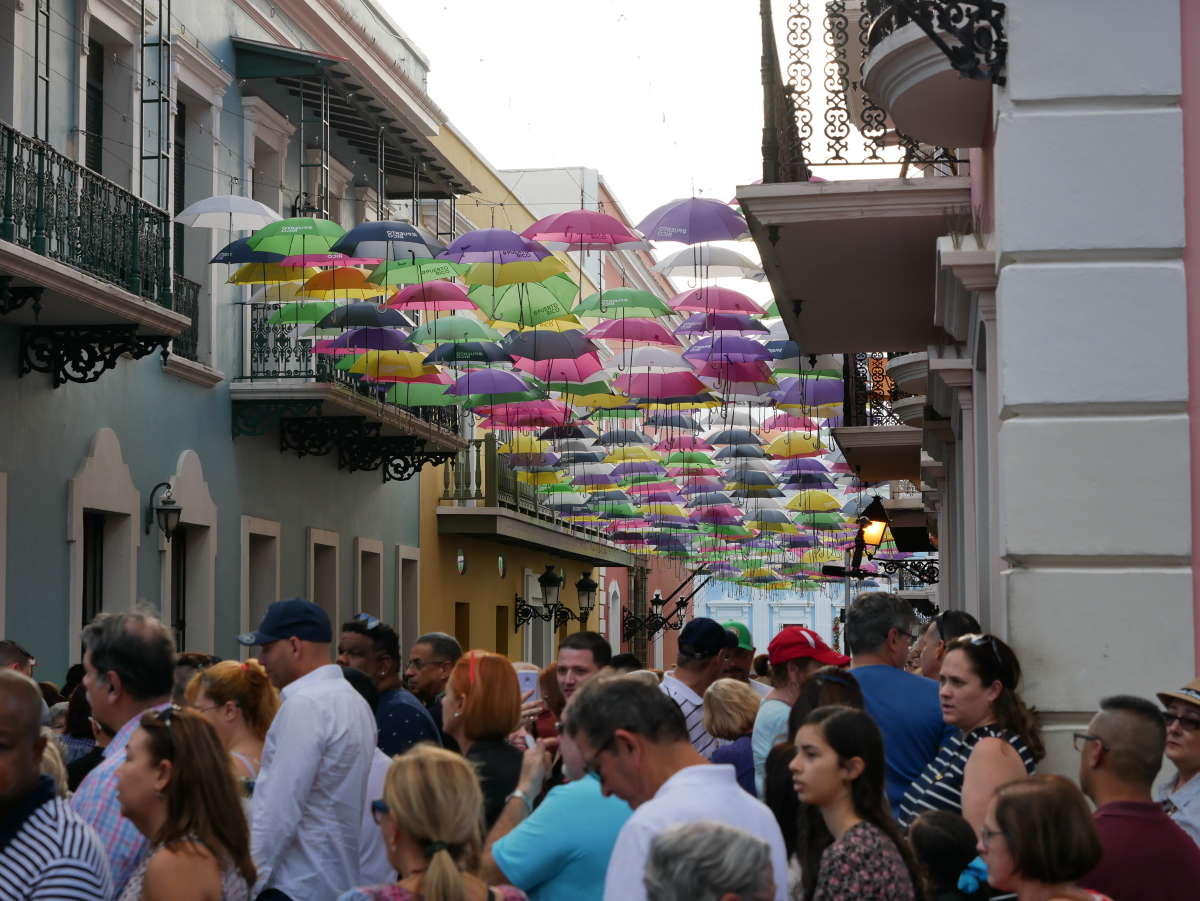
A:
(369, 622)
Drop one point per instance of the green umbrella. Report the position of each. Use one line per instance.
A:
(413, 272)
(616, 303)
(296, 236)
(771, 311)
(616, 413)
(297, 313)
(526, 303)
(419, 394)
(683, 458)
(453, 328)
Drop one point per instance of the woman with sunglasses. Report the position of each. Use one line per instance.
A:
(176, 787)
(998, 740)
(1179, 793)
(1037, 839)
(429, 818)
(849, 848)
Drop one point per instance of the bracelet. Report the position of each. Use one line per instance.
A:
(517, 793)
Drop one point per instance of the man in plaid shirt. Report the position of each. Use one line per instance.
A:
(129, 663)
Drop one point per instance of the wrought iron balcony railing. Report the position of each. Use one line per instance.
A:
(478, 475)
(187, 301)
(56, 207)
(869, 391)
(275, 352)
(979, 48)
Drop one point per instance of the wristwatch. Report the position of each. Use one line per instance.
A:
(517, 793)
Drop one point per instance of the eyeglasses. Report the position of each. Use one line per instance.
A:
(1186, 723)
(379, 810)
(911, 636)
(421, 664)
(1079, 739)
(986, 834)
(370, 623)
(592, 767)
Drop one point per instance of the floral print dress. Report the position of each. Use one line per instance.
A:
(863, 866)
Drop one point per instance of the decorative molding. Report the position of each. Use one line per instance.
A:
(83, 353)
(197, 509)
(266, 117)
(788, 203)
(191, 371)
(204, 73)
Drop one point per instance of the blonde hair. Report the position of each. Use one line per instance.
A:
(730, 707)
(643, 675)
(52, 762)
(246, 684)
(434, 795)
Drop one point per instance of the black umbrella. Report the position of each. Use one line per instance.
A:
(547, 345)
(560, 432)
(359, 314)
(469, 352)
(734, 436)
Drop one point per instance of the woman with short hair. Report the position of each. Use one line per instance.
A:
(482, 705)
(176, 787)
(999, 738)
(708, 861)
(730, 707)
(1037, 839)
(429, 817)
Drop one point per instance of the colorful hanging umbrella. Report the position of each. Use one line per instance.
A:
(546, 345)
(714, 299)
(239, 251)
(419, 394)
(393, 366)
(431, 297)
(583, 230)
(340, 284)
(525, 303)
(297, 235)
(455, 328)
(487, 381)
(232, 212)
(301, 313)
(360, 340)
(727, 349)
(495, 246)
(363, 314)
(692, 220)
(658, 384)
(454, 353)
(814, 502)
(706, 261)
(396, 273)
(700, 323)
(636, 329)
(388, 240)
(619, 302)
(268, 273)
(576, 370)
(280, 292)
(512, 273)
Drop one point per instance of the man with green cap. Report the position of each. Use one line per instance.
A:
(741, 658)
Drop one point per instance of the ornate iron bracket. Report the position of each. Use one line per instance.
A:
(402, 468)
(320, 435)
(558, 614)
(400, 457)
(251, 417)
(83, 353)
(654, 622)
(927, 572)
(13, 298)
(977, 25)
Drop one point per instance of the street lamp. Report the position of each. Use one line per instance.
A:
(874, 522)
(585, 590)
(166, 511)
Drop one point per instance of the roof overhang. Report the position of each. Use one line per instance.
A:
(511, 527)
(882, 453)
(853, 263)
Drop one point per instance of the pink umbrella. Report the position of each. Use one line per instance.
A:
(634, 329)
(560, 370)
(752, 371)
(434, 296)
(583, 230)
(434, 378)
(683, 442)
(714, 299)
(790, 423)
(658, 384)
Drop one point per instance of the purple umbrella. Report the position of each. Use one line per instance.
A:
(637, 467)
(368, 339)
(729, 348)
(808, 392)
(699, 323)
(801, 464)
(487, 381)
(693, 220)
(493, 245)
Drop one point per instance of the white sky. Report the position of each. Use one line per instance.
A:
(662, 96)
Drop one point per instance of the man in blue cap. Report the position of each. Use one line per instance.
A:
(703, 646)
(310, 793)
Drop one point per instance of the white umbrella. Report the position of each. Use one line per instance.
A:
(228, 211)
(704, 260)
(654, 359)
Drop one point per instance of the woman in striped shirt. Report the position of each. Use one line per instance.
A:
(999, 739)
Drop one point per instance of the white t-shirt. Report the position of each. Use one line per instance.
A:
(692, 707)
(695, 793)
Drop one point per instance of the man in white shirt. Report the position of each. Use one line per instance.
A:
(307, 809)
(635, 739)
(703, 646)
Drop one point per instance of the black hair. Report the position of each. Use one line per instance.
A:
(828, 685)
(952, 624)
(779, 794)
(383, 637)
(589, 641)
(442, 645)
(994, 661)
(135, 646)
(1136, 755)
(943, 844)
(625, 662)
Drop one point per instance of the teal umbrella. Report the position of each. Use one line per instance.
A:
(617, 303)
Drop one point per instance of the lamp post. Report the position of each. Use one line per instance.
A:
(585, 590)
(166, 511)
(550, 610)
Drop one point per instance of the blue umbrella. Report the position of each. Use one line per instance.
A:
(469, 352)
(239, 251)
(389, 241)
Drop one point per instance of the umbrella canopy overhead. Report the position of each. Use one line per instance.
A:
(707, 261)
(232, 212)
(388, 241)
(583, 230)
(297, 235)
(693, 220)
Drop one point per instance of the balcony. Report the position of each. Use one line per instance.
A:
(84, 265)
(320, 409)
(931, 65)
(876, 442)
(482, 497)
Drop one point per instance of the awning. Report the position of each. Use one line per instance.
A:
(360, 119)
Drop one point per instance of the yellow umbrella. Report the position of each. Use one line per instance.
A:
(540, 478)
(818, 411)
(279, 292)
(814, 501)
(795, 444)
(819, 555)
(783, 528)
(661, 509)
(561, 324)
(525, 444)
(682, 405)
(513, 273)
(396, 364)
(631, 454)
(346, 283)
(266, 273)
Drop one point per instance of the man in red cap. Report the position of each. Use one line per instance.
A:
(793, 653)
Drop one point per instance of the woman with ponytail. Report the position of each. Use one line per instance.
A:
(429, 817)
(999, 739)
(239, 702)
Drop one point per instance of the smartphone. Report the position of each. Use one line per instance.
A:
(528, 680)
(530, 741)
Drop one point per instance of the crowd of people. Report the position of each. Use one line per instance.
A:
(329, 768)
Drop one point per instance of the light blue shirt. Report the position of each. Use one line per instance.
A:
(1181, 804)
(770, 728)
(560, 852)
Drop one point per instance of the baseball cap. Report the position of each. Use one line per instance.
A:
(704, 637)
(745, 642)
(1189, 693)
(796, 642)
(293, 618)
